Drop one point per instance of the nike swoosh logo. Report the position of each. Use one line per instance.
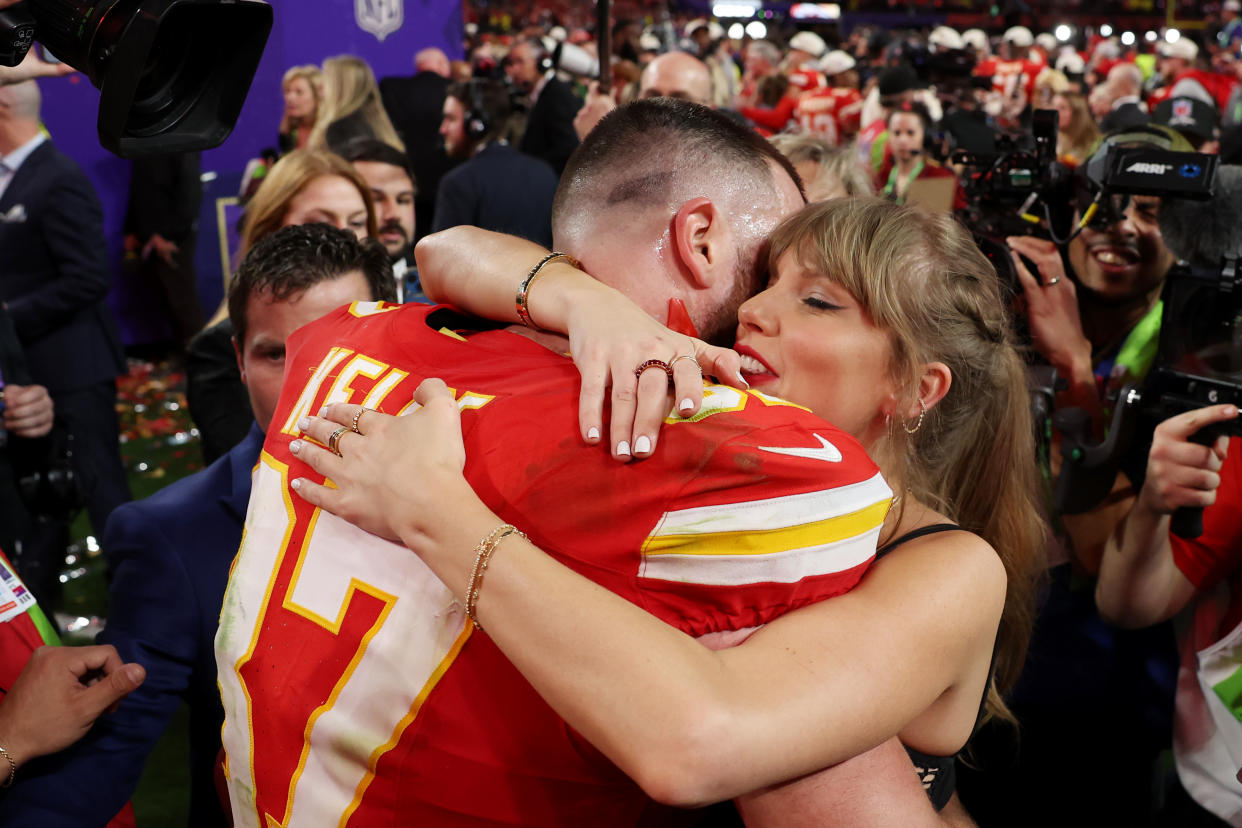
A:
(826, 452)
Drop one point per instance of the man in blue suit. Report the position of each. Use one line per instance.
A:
(54, 277)
(171, 552)
(498, 187)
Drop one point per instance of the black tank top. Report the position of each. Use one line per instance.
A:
(938, 773)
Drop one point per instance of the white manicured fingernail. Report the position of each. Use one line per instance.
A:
(296, 484)
(623, 448)
(642, 445)
(742, 380)
(304, 424)
(592, 433)
(323, 411)
(295, 446)
(686, 404)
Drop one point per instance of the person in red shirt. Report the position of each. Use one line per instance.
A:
(834, 112)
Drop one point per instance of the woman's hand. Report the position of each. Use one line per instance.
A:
(393, 471)
(609, 340)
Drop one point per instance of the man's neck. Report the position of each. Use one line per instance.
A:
(1107, 324)
(15, 134)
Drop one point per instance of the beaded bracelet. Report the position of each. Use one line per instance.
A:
(522, 301)
(483, 556)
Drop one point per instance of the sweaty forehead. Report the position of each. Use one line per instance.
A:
(789, 199)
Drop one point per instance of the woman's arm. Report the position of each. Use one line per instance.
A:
(480, 272)
(689, 724)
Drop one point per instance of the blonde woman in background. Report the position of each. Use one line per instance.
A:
(1077, 132)
(351, 106)
(826, 171)
(309, 186)
(301, 89)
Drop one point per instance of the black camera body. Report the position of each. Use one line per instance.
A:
(173, 74)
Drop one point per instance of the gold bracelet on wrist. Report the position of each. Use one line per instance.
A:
(12, 768)
(522, 301)
(482, 557)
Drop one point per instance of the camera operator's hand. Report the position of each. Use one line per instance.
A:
(27, 410)
(32, 66)
(597, 105)
(1181, 473)
(59, 695)
(1056, 325)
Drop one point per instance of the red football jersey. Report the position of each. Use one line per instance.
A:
(355, 690)
(1009, 75)
(832, 113)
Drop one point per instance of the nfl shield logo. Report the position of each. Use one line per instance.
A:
(379, 17)
(1182, 110)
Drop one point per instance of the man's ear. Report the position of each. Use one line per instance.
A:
(700, 242)
(241, 366)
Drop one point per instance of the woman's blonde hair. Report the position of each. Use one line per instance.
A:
(922, 280)
(266, 210)
(834, 163)
(309, 73)
(1080, 134)
(349, 89)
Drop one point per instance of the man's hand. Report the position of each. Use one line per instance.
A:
(1181, 473)
(161, 247)
(32, 66)
(59, 695)
(1052, 303)
(27, 410)
(597, 105)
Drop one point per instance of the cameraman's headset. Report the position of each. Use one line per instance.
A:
(478, 123)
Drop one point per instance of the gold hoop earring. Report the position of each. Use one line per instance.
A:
(919, 424)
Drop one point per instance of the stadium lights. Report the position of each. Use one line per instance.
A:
(1172, 35)
(1106, 30)
(1151, 36)
(736, 31)
(1127, 38)
(1063, 32)
(734, 9)
(757, 30)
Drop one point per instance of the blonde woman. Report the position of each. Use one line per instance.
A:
(351, 107)
(309, 186)
(301, 89)
(827, 171)
(1077, 132)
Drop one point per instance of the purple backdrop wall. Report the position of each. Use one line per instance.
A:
(305, 31)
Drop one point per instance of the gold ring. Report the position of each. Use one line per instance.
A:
(354, 425)
(654, 363)
(1053, 281)
(335, 438)
(690, 357)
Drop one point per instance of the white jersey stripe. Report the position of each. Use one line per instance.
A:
(778, 567)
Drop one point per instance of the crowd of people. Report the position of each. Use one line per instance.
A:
(508, 559)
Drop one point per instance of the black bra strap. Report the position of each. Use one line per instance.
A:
(915, 534)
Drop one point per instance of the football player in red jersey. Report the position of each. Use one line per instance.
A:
(835, 111)
(810, 337)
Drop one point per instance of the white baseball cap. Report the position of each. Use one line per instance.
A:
(1047, 41)
(836, 62)
(808, 42)
(977, 39)
(944, 37)
(1019, 36)
(648, 42)
(1184, 48)
(1070, 62)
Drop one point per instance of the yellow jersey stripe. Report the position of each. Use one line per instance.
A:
(765, 542)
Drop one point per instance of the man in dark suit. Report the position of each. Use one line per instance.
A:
(1125, 87)
(549, 132)
(171, 552)
(413, 105)
(53, 280)
(497, 188)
